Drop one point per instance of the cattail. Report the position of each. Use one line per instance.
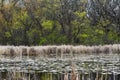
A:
(77, 77)
(73, 73)
(65, 76)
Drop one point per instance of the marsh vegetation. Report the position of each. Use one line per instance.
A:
(60, 62)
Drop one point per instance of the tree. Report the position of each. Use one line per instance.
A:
(107, 11)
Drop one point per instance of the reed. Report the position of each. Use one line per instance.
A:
(63, 49)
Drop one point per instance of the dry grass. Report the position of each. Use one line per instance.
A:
(63, 49)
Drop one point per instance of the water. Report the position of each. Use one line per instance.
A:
(59, 63)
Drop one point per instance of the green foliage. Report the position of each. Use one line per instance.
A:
(45, 76)
(99, 31)
(19, 18)
(42, 41)
(54, 22)
(84, 35)
(47, 24)
(7, 34)
(33, 36)
(80, 14)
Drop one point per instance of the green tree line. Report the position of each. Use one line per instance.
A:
(50, 22)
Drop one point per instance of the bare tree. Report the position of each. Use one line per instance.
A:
(105, 9)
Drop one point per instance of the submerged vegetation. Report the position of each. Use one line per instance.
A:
(42, 22)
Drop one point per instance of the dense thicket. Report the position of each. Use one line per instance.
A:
(42, 22)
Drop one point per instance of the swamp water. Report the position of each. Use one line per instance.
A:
(58, 66)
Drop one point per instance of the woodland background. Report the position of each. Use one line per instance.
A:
(57, 22)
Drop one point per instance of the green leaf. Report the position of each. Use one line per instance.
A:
(7, 34)
(42, 41)
(99, 31)
(80, 14)
(47, 24)
(84, 35)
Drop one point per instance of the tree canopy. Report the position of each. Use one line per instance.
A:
(48, 22)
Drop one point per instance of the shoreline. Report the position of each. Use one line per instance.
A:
(59, 50)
